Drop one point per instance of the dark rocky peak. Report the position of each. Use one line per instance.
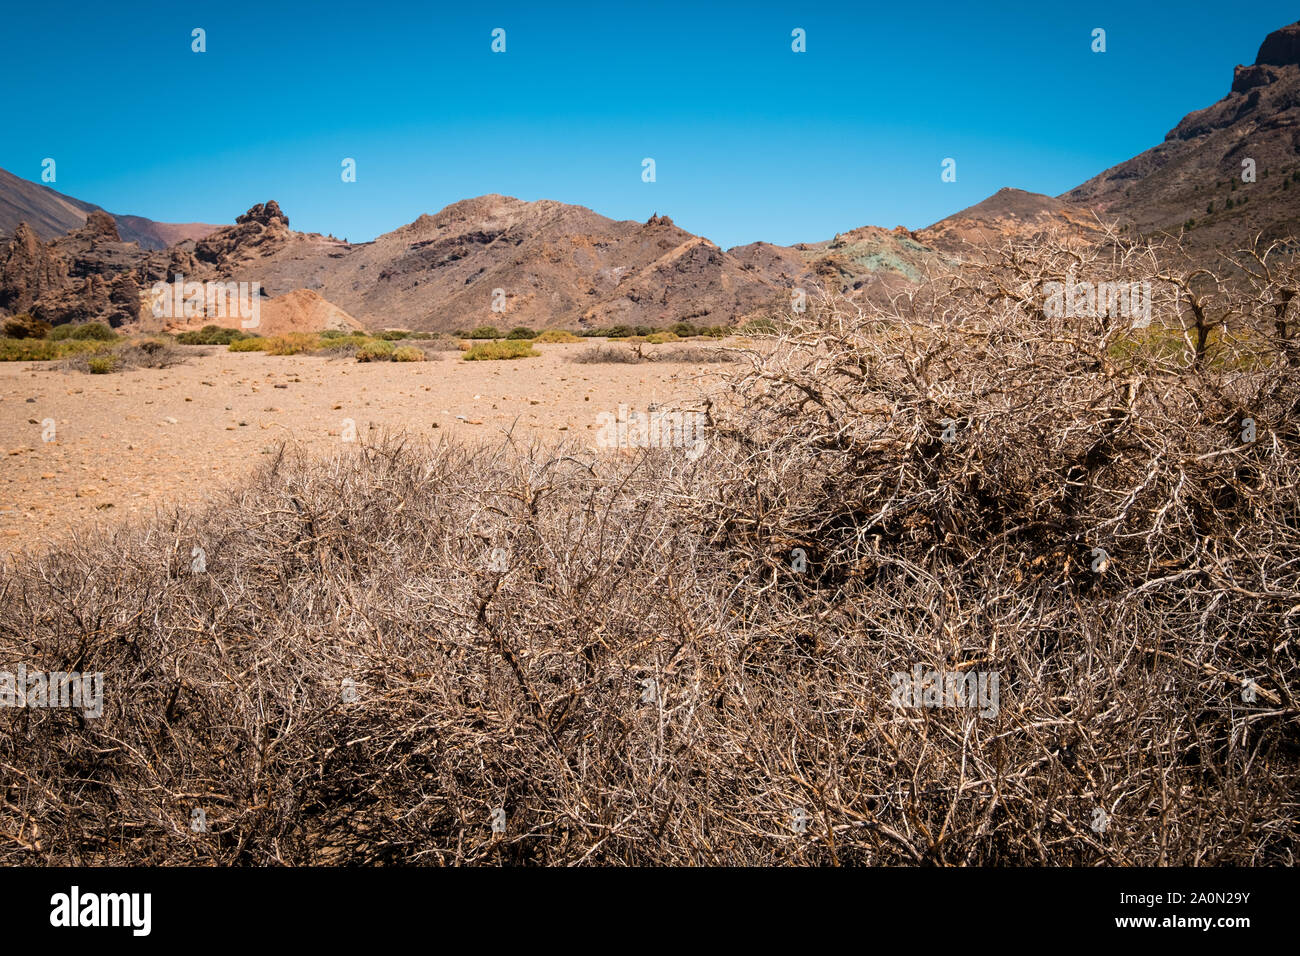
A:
(264, 213)
(1278, 57)
(262, 227)
(1280, 48)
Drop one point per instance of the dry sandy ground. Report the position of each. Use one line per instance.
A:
(129, 443)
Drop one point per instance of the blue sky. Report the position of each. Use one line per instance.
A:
(751, 140)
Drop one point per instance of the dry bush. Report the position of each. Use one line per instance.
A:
(609, 354)
(152, 353)
(635, 353)
(954, 467)
(695, 355)
(388, 645)
(441, 343)
(477, 689)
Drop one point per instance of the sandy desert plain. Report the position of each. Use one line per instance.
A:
(128, 444)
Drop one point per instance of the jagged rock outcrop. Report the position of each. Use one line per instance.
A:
(87, 275)
(29, 270)
(256, 233)
(99, 226)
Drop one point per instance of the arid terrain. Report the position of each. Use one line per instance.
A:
(975, 544)
(130, 443)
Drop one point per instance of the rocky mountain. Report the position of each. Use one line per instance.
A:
(1008, 213)
(50, 214)
(1201, 176)
(1223, 174)
(868, 257)
(496, 260)
(88, 274)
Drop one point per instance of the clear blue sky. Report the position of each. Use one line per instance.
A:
(751, 140)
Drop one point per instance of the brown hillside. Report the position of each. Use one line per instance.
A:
(555, 264)
(1191, 178)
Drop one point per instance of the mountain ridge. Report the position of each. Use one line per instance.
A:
(52, 214)
(1221, 176)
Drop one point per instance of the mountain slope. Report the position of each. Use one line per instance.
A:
(1008, 213)
(52, 214)
(555, 265)
(1194, 177)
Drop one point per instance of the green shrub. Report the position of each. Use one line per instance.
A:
(556, 335)
(408, 353)
(94, 332)
(392, 335)
(87, 332)
(618, 332)
(490, 351)
(521, 332)
(292, 343)
(212, 335)
(44, 350)
(102, 364)
(376, 350)
(28, 350)
(484, 332)
(342, 343)
(251, 344)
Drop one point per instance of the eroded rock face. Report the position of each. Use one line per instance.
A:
(29, 270)
(1246, 78)
(89, 275)
(557, 264)
(99, 226)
